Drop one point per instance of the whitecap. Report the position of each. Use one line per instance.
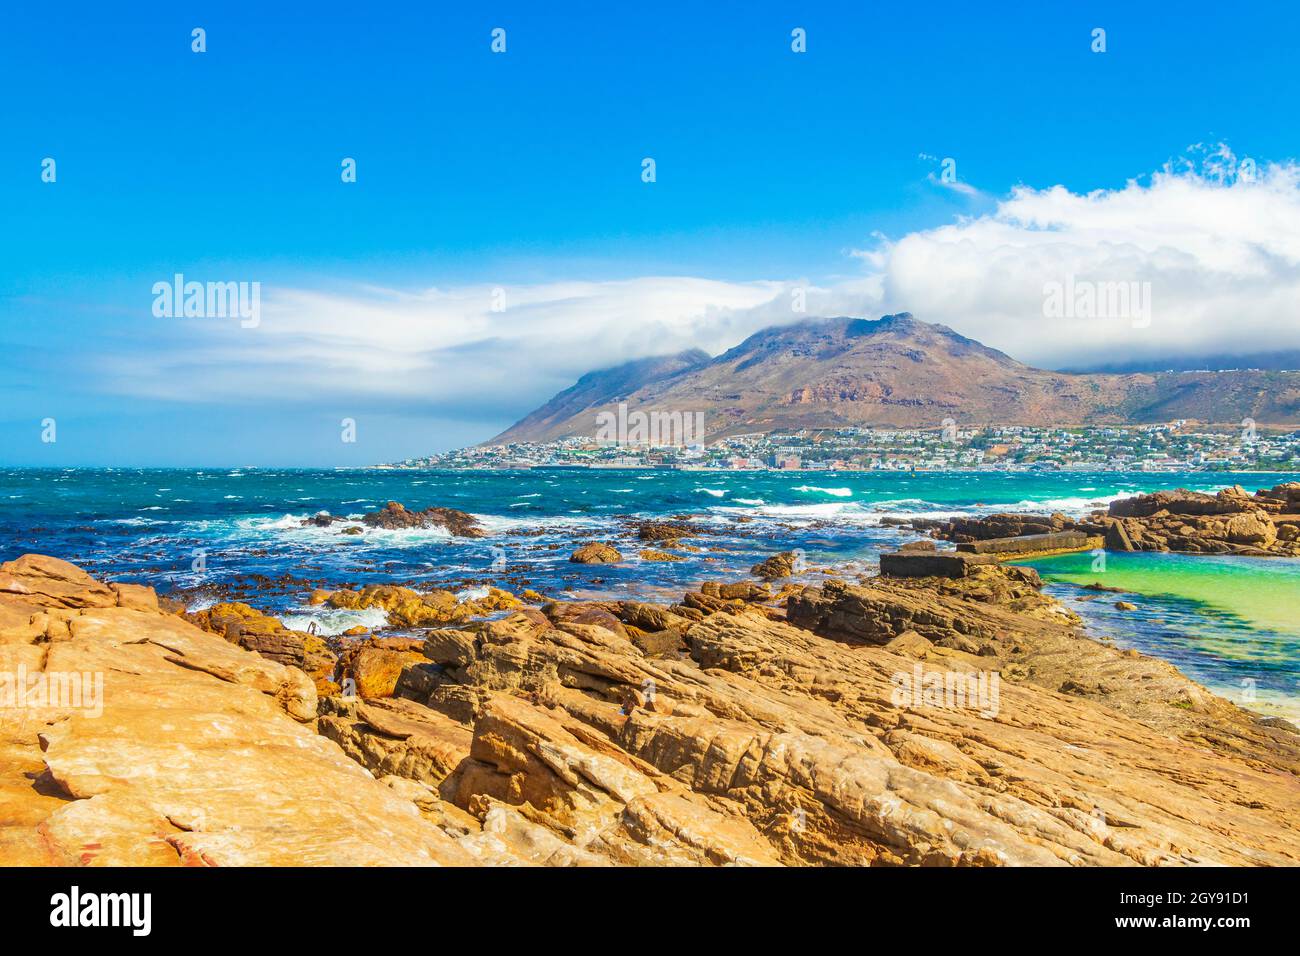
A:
(837, 492)
(331, 621)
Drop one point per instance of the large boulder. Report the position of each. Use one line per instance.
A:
(194, 752)
(394, 516)
(406, 607)
(778, 566)
(241, 624)
(596, 552)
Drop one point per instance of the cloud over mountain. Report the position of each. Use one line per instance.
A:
(1219, 246)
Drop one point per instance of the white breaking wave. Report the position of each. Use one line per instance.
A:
(837, 492)
(505, 524)
(1073, 504)
(331, 621)
(805, 512)
(291, 526)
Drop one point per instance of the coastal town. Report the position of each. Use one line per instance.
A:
(1175, 446)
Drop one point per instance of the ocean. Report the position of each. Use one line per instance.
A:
(204, 535)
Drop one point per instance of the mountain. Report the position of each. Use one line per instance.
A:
(557, 418)
(898, 371)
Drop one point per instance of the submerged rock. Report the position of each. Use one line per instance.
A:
(669, 531)
(651, 554)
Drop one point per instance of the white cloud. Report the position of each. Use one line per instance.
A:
(443, 346)
(1222, 256)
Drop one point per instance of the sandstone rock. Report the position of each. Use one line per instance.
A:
(1230, 521)
(137, 597)
(596, 553)
(322, 519)
(395, 516)
(202, 753)
(777, 566)
(408, 608)
(666, 643)
(374, 666)
(557, 739)
(667, 531)
(44, 582)
(650, 554)
(251, 629)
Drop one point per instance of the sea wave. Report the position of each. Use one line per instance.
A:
(496, 525)
(1075, 504)
(331, 621)
(837, 492)
(813, 512)
(291, 526)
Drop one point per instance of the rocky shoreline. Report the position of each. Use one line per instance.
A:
(895, 720)
(1233, 521)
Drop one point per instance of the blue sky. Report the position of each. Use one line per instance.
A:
(522, 170)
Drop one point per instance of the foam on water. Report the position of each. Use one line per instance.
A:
(331, 621)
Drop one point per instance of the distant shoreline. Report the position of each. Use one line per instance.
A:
(830, 471)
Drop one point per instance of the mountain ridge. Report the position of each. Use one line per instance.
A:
(897, 371)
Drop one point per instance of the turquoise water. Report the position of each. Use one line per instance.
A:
(1215, 617)
(1230, 623)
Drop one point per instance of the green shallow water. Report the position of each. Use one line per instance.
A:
(1231, 623)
